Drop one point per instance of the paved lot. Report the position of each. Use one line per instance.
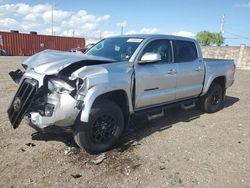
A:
(184, 149)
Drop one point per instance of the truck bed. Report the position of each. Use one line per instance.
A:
(216, 68)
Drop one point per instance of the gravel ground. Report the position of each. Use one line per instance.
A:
(183, 149)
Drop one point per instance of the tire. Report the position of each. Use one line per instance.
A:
(105, 127)
(212, 101)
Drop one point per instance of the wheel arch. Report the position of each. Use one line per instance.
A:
(221, 80)
(119, 96)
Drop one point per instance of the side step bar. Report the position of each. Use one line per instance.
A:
(154, 116)
(188, 106)
(159, 111)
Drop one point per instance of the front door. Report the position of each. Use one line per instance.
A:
(156, 82)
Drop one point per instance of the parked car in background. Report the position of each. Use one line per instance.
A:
(82, 50)
(3, 52)
(96, 94)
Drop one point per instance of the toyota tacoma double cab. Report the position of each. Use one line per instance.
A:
(94, 95)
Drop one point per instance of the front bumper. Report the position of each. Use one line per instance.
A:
(63, 114)
(30, 102)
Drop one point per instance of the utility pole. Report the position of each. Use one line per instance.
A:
(52, 20)
(122, 25)
(222, 22)
(122, 29)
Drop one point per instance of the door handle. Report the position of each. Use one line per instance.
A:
(172, 71)
(198, 69)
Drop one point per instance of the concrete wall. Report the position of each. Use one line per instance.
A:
(241, 54)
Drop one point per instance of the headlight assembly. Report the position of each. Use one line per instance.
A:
(59, 86)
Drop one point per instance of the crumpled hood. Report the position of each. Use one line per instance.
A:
(52, 61)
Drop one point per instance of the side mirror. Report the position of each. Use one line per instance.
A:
(150, 57)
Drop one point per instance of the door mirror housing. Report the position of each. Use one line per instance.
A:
(150, 57)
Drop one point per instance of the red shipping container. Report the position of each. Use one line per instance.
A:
(22, 44)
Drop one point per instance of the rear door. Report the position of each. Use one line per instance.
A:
(156, 82)
(190, 69)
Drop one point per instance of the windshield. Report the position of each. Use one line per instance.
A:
(118, 49)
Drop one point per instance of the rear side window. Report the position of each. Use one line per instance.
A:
(184, 51)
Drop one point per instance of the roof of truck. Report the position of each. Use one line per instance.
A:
(151, 36)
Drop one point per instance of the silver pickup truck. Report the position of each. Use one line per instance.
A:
(95, 95)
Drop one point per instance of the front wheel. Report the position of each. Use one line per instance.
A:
(105, 126)
(212, 101)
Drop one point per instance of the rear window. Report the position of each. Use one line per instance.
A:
(184, 51)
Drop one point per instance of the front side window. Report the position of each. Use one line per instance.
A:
(184, 51)
(163, 47)
(117, 48)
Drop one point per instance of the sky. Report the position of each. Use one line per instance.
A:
(95, 19)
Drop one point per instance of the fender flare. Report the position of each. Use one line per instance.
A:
(208, 83)
(93, 94)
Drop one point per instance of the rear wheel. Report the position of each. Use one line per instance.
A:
(212, 101)
(105, 126)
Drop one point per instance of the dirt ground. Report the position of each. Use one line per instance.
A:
(183, 149)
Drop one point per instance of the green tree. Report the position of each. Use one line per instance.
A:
(206, 38)
(218, 39)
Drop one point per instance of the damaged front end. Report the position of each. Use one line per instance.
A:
(49, 93)
(56, 102)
